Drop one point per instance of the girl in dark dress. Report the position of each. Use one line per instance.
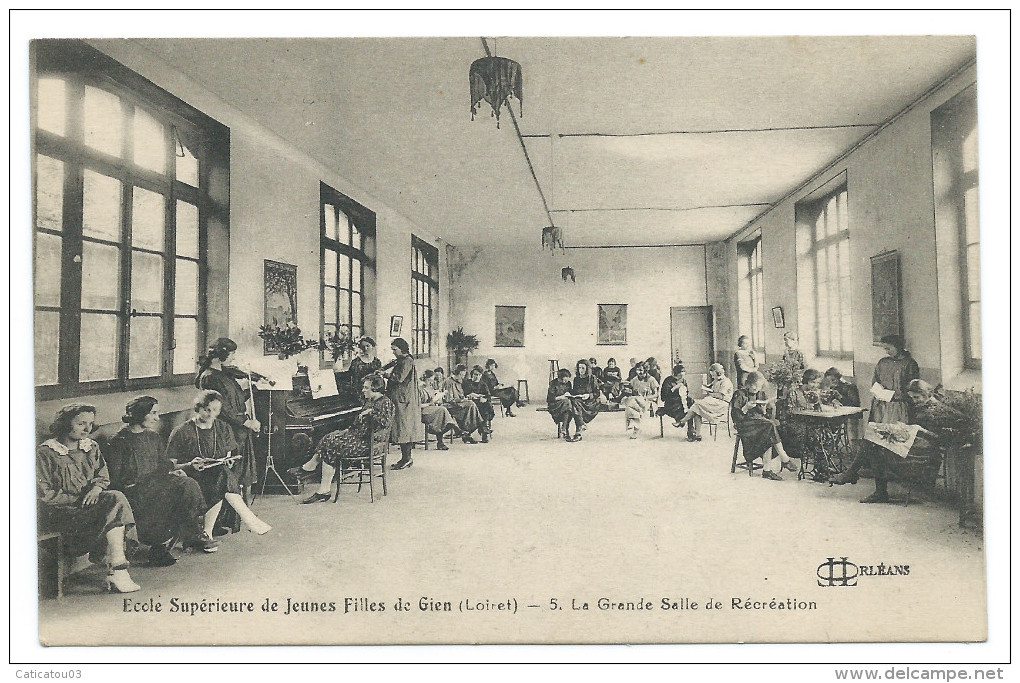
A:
(402, 388)
(586, 390)
(561, 409)
(194, 446)
(676, 398)
(72, 483)
(364, 364)
(757, 433)
(217, 374)
(612, 379)
(506, 395)
(478, 391)
(166, 502)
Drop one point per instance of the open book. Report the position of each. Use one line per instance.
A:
(881, 393)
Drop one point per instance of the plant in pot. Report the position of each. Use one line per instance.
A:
(286, 341)
(340, 346)
(461, 344)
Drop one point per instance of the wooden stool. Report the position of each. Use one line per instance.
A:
(523, 396)
(554, 369)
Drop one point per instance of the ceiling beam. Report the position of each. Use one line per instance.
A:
(718, 131)
(655, 208)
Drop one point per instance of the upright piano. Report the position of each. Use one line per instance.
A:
(285, 414)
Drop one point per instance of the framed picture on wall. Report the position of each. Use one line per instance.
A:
(777, 317)
(612, 324)
(886, 296)
(280, 287)
(396, 325)
(509, 326)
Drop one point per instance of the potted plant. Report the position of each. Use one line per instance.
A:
(461, 344)
(286, 341)
(340, 346)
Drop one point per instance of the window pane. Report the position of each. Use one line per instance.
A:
(975, 331)
(147, 219)
(344, 316)
(970, 202)
(974, 272)
(101, 208)
(47, 269)
(343, 231)
(356, 271)
(186, 288)
(355, 237)
(100, 278)
(49, 193)
(146, 342)
(329, 269)
(187, 229)
(146, 283)
(47, 346)
(98, 355)
(186, 345)
(187, 168)
(52, 105)
(848, 333)
(824, 339)
(329, 218)
(345, 270)
(329, 298)
(103, 121)
(150, 142)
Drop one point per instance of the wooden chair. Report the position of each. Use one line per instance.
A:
(713, 427)
(360, 470)
(749, 466)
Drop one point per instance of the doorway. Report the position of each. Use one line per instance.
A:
(692, 337)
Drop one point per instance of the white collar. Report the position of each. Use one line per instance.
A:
(85, 445)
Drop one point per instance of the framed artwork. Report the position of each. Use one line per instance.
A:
(509, 326)
(777, 317)
(396, 325)
(612, 325)
(280, 287)
(886, 297)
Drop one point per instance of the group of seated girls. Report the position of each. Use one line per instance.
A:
(140, 489)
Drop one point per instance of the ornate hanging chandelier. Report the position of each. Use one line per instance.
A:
(495, 80)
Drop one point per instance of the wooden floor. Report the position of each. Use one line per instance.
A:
(528, 519)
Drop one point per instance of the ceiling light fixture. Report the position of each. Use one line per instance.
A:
(495, 80)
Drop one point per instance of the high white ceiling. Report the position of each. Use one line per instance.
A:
(392, 114)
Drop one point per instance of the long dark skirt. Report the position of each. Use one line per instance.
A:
(588, 409)
(215, 483)
(83, 530)
(486, 410)
(562, 409)
(757, 435)
(507, 396)
(675, 409)
(437, 419)
(467, 416)
(165, 505)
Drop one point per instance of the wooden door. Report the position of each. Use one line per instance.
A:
(692, 335)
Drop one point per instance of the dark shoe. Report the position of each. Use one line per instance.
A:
(316, 498)
(842, 478)
(203, 543)
(467, 438)
(159, 556)
(790, 467)
(771, 476)
(485, 437)
(876, 498)
(402, 464)
(440, 446)
(509, 414)
(575, 438)
(300, 474)
(520, 404)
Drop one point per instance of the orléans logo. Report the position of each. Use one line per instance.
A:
(843, 572)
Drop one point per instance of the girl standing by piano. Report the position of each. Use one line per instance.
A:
(363, 364)
(217, 374)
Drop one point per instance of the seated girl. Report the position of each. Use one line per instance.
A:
(353, 442)
(676, 398)
(72, 486)
(562, 409)
(757, 433)
(203, 448)
(166, 502)
(586, 390)
(612, 378)
(478, 391)
(463, 409)
(804, 396)
(506, 395)
(643, 390)
(713, 405)
(436, 417)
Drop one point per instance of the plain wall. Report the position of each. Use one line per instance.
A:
(561, 318)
